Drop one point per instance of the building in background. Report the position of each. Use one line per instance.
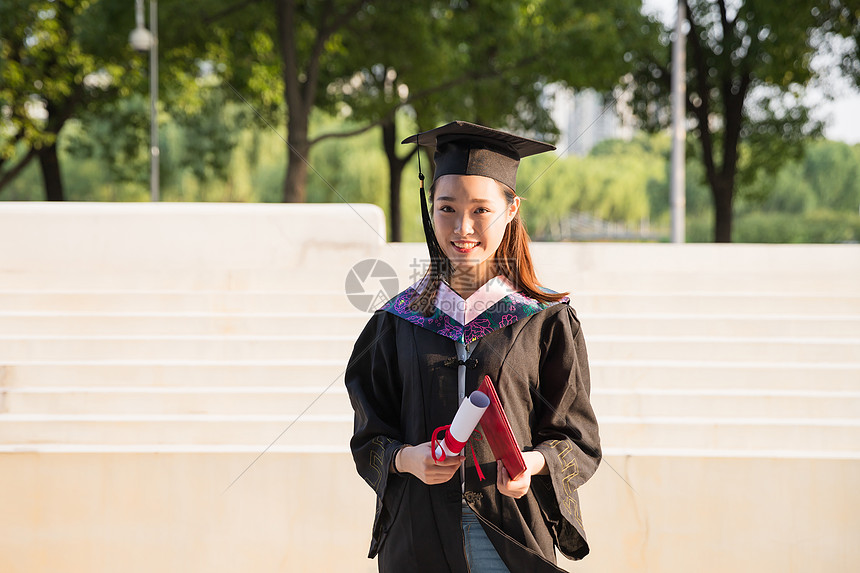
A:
(585, 118)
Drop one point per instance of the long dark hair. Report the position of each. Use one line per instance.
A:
(513, 260)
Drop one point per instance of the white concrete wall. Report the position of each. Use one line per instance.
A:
(171, 393)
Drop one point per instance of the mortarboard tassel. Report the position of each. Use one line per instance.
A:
(437, 257)
(439, 264)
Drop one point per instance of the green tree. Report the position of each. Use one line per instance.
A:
(748, 66)
(614, 183)
(280, 57)
(786, 191)
(54, 65)
(200, 139)
(827, 177)
(451, 67)
(833, 170)
(65, 60)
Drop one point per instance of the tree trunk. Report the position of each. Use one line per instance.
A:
(299, 103)
(296, 181)
(395, 176)
(723, 191)
(396, 217)
(301, 81)
(50, 165)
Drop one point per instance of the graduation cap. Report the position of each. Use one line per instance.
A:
(464, 148)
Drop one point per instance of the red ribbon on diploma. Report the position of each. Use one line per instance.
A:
(453, 446)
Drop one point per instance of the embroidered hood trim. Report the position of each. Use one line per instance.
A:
(495, 307)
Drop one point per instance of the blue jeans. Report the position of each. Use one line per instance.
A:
(480, 553)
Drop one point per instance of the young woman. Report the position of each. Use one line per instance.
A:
(478, 311)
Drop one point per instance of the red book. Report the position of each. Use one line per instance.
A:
(496, 428)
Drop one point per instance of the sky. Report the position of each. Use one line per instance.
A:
(842, 114)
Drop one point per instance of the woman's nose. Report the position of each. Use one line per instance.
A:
(464, 226)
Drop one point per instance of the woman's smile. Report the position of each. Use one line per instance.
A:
(465, 246)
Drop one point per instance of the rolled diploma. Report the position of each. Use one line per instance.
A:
(464, 423)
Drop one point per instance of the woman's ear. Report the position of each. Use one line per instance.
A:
(513, 208)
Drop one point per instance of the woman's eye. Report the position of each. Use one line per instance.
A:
(446, 209)
(482, 210)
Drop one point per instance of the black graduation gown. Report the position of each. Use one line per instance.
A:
(401, 389)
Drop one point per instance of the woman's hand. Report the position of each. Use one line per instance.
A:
(535, 465)
(418, 461)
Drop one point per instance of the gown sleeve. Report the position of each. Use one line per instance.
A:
(566, 431)
(375, 391)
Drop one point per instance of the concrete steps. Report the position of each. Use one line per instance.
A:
(263, 400)
(97, 323)
(724, 374)
(151, 358)
(740, 349)
(216, 347)
(716, 303)
(178, 323)
(742, 325)
(333, 400)
(805, 436)
(671, 374)
(160, 373)
(334, 301)
(138, 512)
(180, 512)
(339, 346)
(727, 404)
(331, 300)
(311, 430)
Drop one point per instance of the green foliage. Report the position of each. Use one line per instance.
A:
(823, 226)
(834, 170)
(115, 138)
(787, 191)
(814, 227)
(341, 57)
(748, 65)
(494, 58)
(815, 199)
(618, 182)
(48, 74)
(355, 170)
(25, 187)
(222, 113)
(699, 195)
(450, 67)
(351, 169)
(62, 61)
(827, 177)
(623, 182)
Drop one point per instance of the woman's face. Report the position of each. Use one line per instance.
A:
(470, 214)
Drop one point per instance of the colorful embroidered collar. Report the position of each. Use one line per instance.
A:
(493, 306)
